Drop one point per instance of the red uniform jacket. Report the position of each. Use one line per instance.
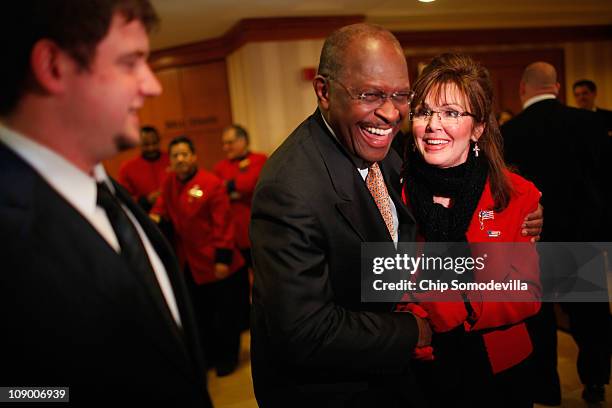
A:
(510, 343)
(241, 176)
(141, 177)
(199, 211)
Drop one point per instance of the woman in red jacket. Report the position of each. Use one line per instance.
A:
(460, 190)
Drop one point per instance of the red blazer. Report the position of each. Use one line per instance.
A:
(199, 211)
(141, 177)
(510, 343)
(240, 176)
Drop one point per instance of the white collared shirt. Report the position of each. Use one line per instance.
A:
(364, 173)
(80, 190)
(538, 98)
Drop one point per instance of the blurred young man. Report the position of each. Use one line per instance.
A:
(90, 293)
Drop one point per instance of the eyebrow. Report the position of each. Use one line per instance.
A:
(133, 55)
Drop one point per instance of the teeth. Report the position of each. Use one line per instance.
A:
(381, 132)
(436, 141)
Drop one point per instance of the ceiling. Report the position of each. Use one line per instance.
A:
(188, 21)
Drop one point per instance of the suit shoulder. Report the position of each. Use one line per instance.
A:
(294, 158)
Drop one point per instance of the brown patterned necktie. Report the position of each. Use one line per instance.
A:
(378, 189)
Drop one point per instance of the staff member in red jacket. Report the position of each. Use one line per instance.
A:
(460, 191)
(142, 176)
(240, 172)
(196, 203)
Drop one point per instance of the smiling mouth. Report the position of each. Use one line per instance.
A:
(436, 142)
(377, 131)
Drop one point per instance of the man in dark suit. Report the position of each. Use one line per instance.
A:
(559, 149)
(585, 93)
(90, 293)
(313, 342)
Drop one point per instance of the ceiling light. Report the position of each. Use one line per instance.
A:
(426, 1)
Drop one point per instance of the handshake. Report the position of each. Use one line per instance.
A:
(438, 317)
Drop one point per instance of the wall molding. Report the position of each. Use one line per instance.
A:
(250, 30)
(301, 28)
(499, 36)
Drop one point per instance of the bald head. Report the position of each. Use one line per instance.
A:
(539, 78)
(341, 45)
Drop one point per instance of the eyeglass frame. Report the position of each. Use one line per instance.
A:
(381, 96)
(431, 115)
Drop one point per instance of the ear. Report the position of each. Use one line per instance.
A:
(322, 91)
(557, 88)
(477, 132)
(49, 64)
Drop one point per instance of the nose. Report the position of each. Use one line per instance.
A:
(431, 124)
(390, 113)
(150, 85)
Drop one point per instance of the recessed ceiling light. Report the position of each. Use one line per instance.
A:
(426, 1)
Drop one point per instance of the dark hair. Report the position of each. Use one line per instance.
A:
(331, 62)
(150, 129)
(473, 81)
(76, 26)
(585, 82)
(240, 132)
(181, 139)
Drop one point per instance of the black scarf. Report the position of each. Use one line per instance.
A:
(463, 184)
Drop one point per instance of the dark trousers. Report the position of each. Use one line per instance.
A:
(217, 309)
(591, 328)
(543, 332)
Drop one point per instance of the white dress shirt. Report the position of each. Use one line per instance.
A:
(538, 98)
(80, 190)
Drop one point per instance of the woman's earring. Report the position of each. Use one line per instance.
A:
(476, 149)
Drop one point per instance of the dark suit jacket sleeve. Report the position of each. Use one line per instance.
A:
(293, 291)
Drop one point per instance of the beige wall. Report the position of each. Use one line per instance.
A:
(270, 98)
(268, 95)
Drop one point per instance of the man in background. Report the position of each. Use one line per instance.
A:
(240, 172)
(142, 176)
(585, 93)
(91, 297)
(559, 148)
(194, 200)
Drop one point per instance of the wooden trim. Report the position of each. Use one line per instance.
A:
(250, 30)
(529, 35)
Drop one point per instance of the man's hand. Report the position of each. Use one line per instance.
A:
(221, 270)
(533, 224)
(153, 196)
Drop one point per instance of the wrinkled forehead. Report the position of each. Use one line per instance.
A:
(444, 94)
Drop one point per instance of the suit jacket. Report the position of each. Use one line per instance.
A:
(141, 177)
(241, 176)
(200, 213)
(560, 148)
(75, 315)
(605, 118)
(314, 343)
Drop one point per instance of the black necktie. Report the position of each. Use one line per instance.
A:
(132, 249)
